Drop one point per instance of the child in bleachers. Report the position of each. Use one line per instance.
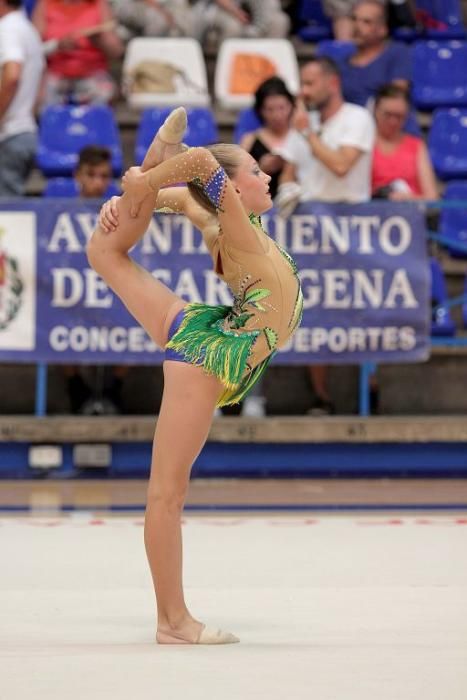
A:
(94, 171)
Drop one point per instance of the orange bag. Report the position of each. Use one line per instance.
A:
(247, 71)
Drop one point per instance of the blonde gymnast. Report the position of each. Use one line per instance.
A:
(214, 354)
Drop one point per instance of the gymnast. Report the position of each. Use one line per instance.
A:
(213, 354)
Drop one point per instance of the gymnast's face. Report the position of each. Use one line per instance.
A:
(252, 184)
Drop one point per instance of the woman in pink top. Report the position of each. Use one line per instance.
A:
(80, 40)
(402, 168)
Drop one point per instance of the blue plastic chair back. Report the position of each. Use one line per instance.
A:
(412, 126)
(64, 130)
(202, 128)
(439, 74)
(247, 120)
(317, 25)
(339, 51)
(453, 220)
(447, 143)
(441, 322)
(68, 187)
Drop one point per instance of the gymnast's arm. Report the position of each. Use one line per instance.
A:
(180, 201)
(175, 200)
(199, 165)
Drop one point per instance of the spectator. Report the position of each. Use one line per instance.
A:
(328, 152)
(21, 69)
(80, 40)
(93, 173)
(339, 11)
(94, 176)
(402, 168)
(152, 17)
(229, 19)
(377, 60)
(273, 106)
(401, 13)
(328, 156)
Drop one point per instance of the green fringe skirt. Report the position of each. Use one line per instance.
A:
(201, 340)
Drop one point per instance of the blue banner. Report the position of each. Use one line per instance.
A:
(364, 272)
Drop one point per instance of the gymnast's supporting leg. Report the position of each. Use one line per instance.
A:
(182, 428)
(185, 417)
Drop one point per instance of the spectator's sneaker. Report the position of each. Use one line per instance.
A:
(321, 407)
(99, 407)
(254, 407)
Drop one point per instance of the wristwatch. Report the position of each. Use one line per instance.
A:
(306, 133)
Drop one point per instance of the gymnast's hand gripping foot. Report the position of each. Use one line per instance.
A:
(214, 354)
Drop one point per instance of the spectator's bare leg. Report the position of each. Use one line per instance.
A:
(318, 375)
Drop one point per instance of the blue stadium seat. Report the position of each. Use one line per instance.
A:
(412, 126)
(316, 25)
(202, 128)
(337, 50)
(447, 143)
(453, 220)
(65, 130)
(67, 187)
(439, 74)
(446, 11)
(441, 321)
(247, 120)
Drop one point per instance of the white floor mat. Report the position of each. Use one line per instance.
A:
(327, 608)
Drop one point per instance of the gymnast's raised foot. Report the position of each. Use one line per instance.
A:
(194, 633)
(168, 140)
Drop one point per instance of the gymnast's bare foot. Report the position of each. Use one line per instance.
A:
(168, 140)
(192, 632)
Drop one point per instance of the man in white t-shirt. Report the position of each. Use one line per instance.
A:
(328, 158)
(21, 69)
(329, 151)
